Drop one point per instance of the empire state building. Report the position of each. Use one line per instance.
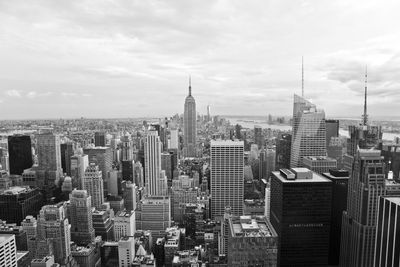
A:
(189, 125)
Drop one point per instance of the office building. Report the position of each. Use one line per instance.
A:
(79, 163)
(340, 179)
(101, 156)
(18, 202)
(19, 153)
(227, 177)
(67, 151)
(332, 129)
(189, 125)
(88, 255)
(127, 148)
(156, 184)
(93, 184)
(391, 154)
(166, 165)
(301, 215)
(126, 251)
(172, 244)
(366, 185)
(17, 231)
(53, 227)
(124, 224)
(387, 246)
(49, 153)
(334, 150)
(258, 137)
(80, 213)
(154, 214)
(270, 162)
(130, 193)
(319, 165)
(100, 139)
(283, 148)
(8, 251)
(103, 225)
(127, 170)
(47, 261)
(174, 139)
(262, 169)
(252, 241)
(308, 131)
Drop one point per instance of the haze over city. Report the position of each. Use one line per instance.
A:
(133, 58)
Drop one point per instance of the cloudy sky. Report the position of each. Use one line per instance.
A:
(133, 57)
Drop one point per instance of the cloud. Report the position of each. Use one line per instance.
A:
(13, 93)
(31, 94)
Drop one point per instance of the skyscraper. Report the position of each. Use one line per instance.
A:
(79, 163)
(174, 139)
(366, 185)
(20, 153)
(8, 250)
(309, 131)
(387, 247)
(189, 125)
(227, 177)
(100, 139)
(258, 137)
(67, 151)
(80, 210)
(301, 215)
(49, 158)
(153, 175)
(53, 227)
(93, 184)
(283, 147)
(101, 156)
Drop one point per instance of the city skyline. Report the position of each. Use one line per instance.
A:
(244, 58)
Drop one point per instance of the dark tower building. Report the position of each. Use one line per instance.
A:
(67, 151)
(189, 125)
(332, 129)
(258, 137)
(20, 153)
(301, 216)
(283, 147)
(340, 179)
(100, 139)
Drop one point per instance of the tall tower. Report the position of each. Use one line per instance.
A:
(309, 131)
(93, 184)
(20, 153)
(53, 227)
(82, 231)
(49, 157)
(189, 125)
(366, 184)
(153, 175)
(227, 177)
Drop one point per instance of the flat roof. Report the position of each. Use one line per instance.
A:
(395, 200)
(226, 143)
(316, 178)
(5, 237)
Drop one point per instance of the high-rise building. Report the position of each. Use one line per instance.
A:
(189, 125)
(301, 215)
(53, 227)
(103, 225)
(283, 148)
(258, 136)
(124, 224)
(101, 156)
(332, 129)
(49, 151)
(67, 151)
(227, 177)
(126, 251)
(174, 139)
(156, 184)
(100, 139)
(270, 162)
(387, 246)
(79, 163)
(29, 224)
(391, 154)
(17, 202)
(252, 241)
(166, 164)
(366, 184)
(262, 170)
(8, 251)
(80, 211)
(340, 179)
(129, 192)
(20, 153)
(309, 131)
(319, 165)
(154, 214)
(93, 184)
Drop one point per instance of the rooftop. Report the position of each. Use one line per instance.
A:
(314, 177)
(395, 200)
(15, 190)
(226, 143)
(251, 226)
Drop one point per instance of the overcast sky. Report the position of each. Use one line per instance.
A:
(133, 58)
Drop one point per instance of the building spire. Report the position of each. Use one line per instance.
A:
(190, 85)
(302, 76)
(365, 115)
